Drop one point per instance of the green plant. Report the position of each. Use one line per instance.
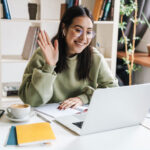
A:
(127, 10)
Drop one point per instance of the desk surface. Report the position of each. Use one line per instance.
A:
(131, 138)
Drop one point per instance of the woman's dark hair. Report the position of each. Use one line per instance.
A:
(84, 58)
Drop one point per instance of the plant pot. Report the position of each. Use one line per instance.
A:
(148, 48)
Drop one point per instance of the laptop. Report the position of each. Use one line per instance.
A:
(111, 108)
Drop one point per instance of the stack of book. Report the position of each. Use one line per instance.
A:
(31, 42)
(10, 89)
(103, 10)
(30, 134)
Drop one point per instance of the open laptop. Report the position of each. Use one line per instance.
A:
(111, 108)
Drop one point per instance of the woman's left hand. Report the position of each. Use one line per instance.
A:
(71, 103)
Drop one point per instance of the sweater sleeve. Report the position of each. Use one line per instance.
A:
(105, 76)
(37, 84)
(105, 79)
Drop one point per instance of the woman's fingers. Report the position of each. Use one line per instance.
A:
(41, 39)
(43, 36)
(47, 38)
(40, 44)
(70, 103)
(56, 45)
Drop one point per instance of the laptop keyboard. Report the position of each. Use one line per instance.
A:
(78, 124)
(81, 116)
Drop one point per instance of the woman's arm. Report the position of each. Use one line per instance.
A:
(38, 78)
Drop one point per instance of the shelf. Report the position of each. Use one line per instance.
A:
(140, 58)
(104, 22)
(50, 20)
(13, 59)
(10, 98)
(30, 21)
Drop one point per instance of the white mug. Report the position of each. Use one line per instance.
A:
(19, 110)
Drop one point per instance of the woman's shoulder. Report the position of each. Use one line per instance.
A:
(96, 54)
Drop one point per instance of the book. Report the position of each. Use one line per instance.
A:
(30, 42)
(112, 10)
(53, 111)
(76, 3)
(34, 133)
(69, 3)
(1, 11)
(106, 10)
(102, 10)
(12, 138)
(63, 8)
(97, 9)
(6, 9)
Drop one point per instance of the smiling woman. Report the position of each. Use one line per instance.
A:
(66, 69)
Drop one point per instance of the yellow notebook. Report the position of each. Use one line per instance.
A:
(34, 133)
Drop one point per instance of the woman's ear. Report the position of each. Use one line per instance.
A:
(63, 29)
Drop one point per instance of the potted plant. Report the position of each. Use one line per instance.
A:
(127, 10)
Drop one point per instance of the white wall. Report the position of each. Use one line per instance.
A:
(143, 76)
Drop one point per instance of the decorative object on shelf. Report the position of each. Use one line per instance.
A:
(148, 48)
(32, 8)
(148, 24)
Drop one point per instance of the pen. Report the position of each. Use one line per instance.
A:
(43, 118)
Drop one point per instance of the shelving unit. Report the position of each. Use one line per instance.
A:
(140, 58)
(13, 34)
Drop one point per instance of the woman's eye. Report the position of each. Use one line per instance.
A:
(89, 32)
(78, 30)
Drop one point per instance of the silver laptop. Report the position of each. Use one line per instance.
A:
(111, 108)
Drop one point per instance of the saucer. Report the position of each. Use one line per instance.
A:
(26, 118)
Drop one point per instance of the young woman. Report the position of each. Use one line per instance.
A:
(66, 69)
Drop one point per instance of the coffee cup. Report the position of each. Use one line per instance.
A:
(19, 110)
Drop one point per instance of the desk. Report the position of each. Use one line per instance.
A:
(139, 58)
(131, 138)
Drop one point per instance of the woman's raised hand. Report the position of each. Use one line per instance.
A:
(50, 52)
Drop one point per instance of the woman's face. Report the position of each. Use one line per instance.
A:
(79, 35)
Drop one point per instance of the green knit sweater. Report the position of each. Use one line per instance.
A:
(41, 84)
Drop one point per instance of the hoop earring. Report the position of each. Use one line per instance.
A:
(63, 33)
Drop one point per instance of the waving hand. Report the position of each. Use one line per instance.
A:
(50, 52)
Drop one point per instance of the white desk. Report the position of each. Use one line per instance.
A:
(131, 138)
